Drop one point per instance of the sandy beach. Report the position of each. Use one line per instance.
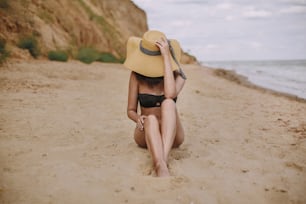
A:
(65, 138)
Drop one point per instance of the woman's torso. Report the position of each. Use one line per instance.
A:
(156, 90)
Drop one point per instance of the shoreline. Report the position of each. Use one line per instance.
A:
(233, 76)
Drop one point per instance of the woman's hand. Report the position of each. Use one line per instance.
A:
(163, 45)
(140, 122)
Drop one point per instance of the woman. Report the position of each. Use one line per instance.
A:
(155, 81)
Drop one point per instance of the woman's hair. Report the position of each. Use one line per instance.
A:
(150, 81)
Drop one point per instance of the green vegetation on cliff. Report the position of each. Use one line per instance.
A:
(4, 4)
(89, 55)
(3, 52)
(30, 43)
(58, 55)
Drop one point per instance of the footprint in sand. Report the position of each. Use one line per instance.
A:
(278, 190)
(179, 154)
(148, 170)
(294, 166)
(283, 123)
(299, 131)
(178, 181)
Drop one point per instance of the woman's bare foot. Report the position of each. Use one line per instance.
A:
(162, 170)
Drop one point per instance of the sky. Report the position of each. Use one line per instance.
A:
(214, 30)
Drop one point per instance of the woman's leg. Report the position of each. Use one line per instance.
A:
(154, 143)
(180, 135)
(168, 125)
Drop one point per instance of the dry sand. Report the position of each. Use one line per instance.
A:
(65, 138)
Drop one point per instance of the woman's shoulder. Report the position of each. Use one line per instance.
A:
(133, 76)
(133, 80)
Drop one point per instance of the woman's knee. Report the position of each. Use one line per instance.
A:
(168, 106)
(151, 120)
(178, 141)
(180, 133)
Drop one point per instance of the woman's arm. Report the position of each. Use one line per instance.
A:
(173, 84)
(179, 82)
(169, 80)
(132, 98)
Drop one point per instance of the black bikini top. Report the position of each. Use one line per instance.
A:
(150, 101)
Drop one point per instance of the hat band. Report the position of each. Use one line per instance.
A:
(156, 53)
(148, 52)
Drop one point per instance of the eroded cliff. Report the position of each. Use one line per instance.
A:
(68, 25)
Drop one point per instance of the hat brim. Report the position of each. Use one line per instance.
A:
(147, 65)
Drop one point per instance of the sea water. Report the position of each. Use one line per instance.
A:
(287, 76)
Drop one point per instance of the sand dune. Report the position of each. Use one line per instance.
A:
(65, 138)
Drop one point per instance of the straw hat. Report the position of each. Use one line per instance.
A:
(144, 57)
